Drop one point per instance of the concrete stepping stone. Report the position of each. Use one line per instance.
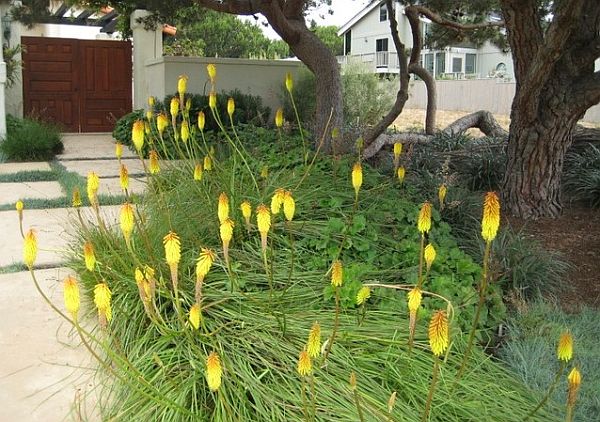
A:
(103, 168)
(90, 146)
(112, 186)
(11, 192)
(44, 368)
(54, 228)
(10, 168)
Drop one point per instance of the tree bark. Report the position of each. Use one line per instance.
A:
(549, 69)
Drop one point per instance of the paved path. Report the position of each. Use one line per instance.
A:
(45, 373)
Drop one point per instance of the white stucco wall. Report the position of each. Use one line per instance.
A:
(264, 78)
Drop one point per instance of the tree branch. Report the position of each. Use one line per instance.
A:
(234, 7)
(538, 74)
(402, 95)
(415, 27)
(586, 90)
(430, 114)
(435, 17)
(294, 8)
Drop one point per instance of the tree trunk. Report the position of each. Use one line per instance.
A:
(532, 182)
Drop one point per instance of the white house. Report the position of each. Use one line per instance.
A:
(367, 39)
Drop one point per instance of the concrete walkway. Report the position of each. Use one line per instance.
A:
(45, 372)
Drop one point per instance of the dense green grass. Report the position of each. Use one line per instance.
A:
(28, 176)
(530, 352)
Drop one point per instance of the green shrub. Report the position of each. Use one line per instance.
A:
(248, 110)
(530, 351)
(581, 178)
(367, 98)
(30, 140)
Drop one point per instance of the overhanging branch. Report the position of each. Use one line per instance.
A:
(435, 17)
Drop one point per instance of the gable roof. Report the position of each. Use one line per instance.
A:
(365, 11)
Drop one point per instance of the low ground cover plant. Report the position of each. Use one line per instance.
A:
(30, 140)
(261, 281)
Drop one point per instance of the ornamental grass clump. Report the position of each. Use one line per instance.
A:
(215, 314)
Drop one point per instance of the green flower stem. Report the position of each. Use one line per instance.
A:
(480, 303)
(436, 370)
(336, 323)
(542, 402)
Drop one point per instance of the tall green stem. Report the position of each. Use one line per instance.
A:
(549, 392)
(482, 296)
(436, 370)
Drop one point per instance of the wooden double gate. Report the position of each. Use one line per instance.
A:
(82, 85)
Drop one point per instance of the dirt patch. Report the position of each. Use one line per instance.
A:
(576, 236)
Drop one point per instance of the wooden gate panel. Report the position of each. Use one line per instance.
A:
(106, 94)
(82, 85)
(50, 80)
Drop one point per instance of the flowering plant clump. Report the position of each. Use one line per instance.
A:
(254, 279)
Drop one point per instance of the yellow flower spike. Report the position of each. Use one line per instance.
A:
(188, 104)
(574, 382)
(71, 296)
(146, 128)
(397, 151)
(214, 371)
(205, 261)
(154, 164)
(226, 233)
(246, 208)
(263, 221)
(289, 82)
(414, 299)
(491, 216)
(223, 207)
(212, 72)
(304, 364)
(277, 201)
(30, 248)
(564, 349)
(442, 195)
(337, 273)
(313, 345)
(352, 381)
(161, 123)
(429, 255)
(127, 221)
(438, 333)
(172, 246)
(357, 177)
(149, 115)
(212, 100)
(185, 131)
(279, 118)
(363, 295)
(151, 101)
(195, 315)
(264, 172)
(89, 256)
(392, 401)
(102, 299)
(174, 107)
(201, 120)
(207, 163)
(124, 177)
(198, 170)
(138, 134)
(182, 84)
(76, 200)
(401, 172)
(19, 207)
(93, 184)
(424, 221)
(230, 107)
(289, 205)
(118, 150)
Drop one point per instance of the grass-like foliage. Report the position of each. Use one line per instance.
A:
(30, 140)
(232, 344)
(533, 330)
(582, 175)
